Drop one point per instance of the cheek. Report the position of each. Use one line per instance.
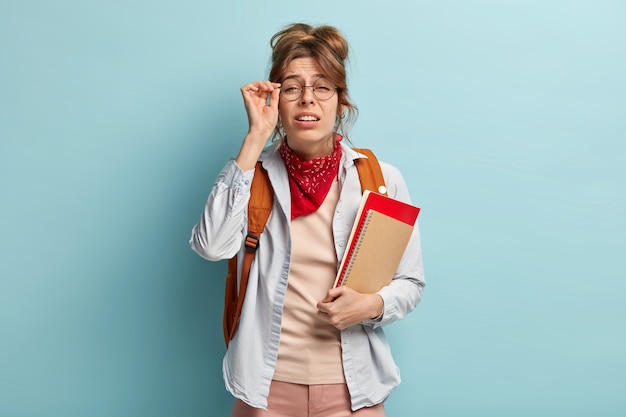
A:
(283, 110)
(332, 110)
(334, 106)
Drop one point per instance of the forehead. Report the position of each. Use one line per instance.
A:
(303, 68)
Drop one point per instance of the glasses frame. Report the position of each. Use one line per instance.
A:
(312, 87)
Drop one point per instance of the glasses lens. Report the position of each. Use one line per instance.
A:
(290, 90)
(323, 89)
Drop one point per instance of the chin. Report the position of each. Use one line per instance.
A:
(310, 136)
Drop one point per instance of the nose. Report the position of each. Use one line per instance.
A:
(307, 94)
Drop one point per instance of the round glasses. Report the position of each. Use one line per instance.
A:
(292, 90)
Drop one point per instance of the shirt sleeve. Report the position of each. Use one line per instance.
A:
(219, 232)
(404, 292)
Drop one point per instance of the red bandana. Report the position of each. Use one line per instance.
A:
(310, 181)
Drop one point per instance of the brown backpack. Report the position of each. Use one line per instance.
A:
(259, 208)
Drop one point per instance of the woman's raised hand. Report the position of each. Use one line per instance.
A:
(262, 117)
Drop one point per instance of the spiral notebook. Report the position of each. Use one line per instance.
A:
(379, 237)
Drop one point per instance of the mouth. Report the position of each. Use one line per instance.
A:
(307, 118)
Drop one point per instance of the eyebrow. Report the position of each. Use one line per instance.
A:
(300, 77)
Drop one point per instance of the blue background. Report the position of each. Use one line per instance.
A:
(507, 118)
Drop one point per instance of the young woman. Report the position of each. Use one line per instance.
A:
(302, 348)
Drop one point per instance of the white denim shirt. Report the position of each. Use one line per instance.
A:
(248, 366)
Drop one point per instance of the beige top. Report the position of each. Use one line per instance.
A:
(310, 348)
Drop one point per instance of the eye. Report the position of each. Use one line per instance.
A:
(323, 85)
(290, 86)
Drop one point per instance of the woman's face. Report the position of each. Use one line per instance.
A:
(308, 121)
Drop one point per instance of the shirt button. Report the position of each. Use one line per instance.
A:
(247, 182)
(341, 244)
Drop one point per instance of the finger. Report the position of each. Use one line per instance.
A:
(274, 97)
(335, 293)
(256, 88)
(331, 295)
(324, 316)
(265, 86)
(250, 87)
(321, 306)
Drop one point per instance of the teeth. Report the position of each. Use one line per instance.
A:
(307, 118)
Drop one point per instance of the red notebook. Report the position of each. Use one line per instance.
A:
(379, 236)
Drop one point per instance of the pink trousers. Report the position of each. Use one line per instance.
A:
(295, 400)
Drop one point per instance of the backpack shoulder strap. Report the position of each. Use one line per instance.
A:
(370, 174)
(259, 209)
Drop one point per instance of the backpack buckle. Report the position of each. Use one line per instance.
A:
(252, 242)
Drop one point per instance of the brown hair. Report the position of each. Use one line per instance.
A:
(329, 48)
